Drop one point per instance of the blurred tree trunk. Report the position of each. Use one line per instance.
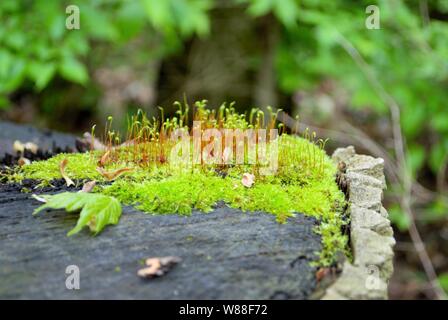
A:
(265, 86)
(236, 64)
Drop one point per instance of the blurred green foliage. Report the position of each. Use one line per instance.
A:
(408, 58)
(443, 279)
(408, 55)
(35, 44)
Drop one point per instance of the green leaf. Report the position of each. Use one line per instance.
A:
(99, 23)
(97, 210)
(4, 102)
(260, 7)
(16, 75)
(286, 11)
(41, 73)
(16, 40)
(6, 62)
(399, 218)
(443, 279)
(72, 70)
(440, 122)
(159, 13)
(415, 158)
(436, 211)
(413, 121)
(437, 156)
(130, 20)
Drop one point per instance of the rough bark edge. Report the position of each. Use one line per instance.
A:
(371, 235)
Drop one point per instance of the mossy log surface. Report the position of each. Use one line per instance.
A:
(226, 254)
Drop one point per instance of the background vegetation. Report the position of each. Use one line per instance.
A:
(384, 90)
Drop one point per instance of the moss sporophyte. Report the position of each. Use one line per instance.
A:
(177, 164)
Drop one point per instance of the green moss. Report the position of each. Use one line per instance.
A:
(305, 183)
(81, 165)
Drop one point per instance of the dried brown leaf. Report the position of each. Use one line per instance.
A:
(104, 158)
(23, 161)
(62, 166)
(321, 273)
(111, 175)
(88, 186)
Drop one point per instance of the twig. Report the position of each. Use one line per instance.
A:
(424, 12)
(441, 175)
(358, 138)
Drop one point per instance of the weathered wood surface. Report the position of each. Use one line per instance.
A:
(225, 254)
(10, 132)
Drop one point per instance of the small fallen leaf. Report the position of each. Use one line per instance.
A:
(154, 269)
(111, 175)
(157, 267)
(88, 186)
(23, 161)
(62, 166)
(321, 273)
(248, 180)
(96, 210)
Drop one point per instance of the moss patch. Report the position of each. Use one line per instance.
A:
(162, 189)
